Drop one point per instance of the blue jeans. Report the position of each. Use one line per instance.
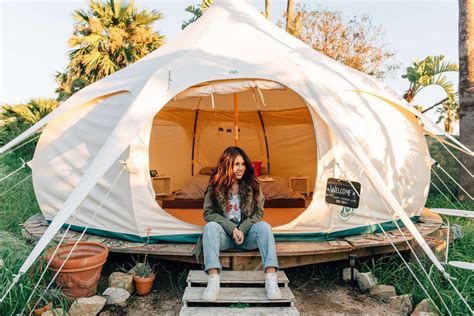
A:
(216, 239)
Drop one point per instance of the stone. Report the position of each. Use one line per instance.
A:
(425, 308)
(55, 312)
(456, 231)
(2, 264)
(123, 281)
(403, 303)
(116, 295)
(87, 306)
(383, 292)
(346, 274)
(366, 281)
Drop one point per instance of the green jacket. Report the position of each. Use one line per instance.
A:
(214, 212)
(214, 209)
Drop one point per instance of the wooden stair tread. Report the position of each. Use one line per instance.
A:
(240, 277)
(238, 295)
(205, 311)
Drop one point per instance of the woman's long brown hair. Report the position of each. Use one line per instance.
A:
(222, 179)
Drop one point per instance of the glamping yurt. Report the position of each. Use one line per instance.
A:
(129, 156)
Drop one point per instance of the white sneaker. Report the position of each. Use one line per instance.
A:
(271, 285)
(212, 289)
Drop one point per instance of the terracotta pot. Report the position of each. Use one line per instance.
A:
(43, 309)
(144, 285)
(81, 272)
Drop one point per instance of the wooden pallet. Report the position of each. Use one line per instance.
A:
(242, 293)
(290, 254)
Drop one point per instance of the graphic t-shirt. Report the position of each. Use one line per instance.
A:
(233, 209)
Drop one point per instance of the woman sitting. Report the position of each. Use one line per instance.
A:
(233, 210)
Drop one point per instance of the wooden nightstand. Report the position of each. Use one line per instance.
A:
(300, 184)
(162, 185)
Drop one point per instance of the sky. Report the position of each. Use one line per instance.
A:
(34, 34)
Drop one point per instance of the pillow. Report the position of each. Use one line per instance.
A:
(207, 171)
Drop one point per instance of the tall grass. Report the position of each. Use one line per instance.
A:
(13, 252)
(391, 270)
(16, 206)
(17, 203)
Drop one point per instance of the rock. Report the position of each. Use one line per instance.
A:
(346, 274)
(115, 295)
(87, 306)
(123, 281)
(456, 231)
(425, 308)
(403, 303)
(383, 292)
(2, 264)
(366, 281)
(55, 312)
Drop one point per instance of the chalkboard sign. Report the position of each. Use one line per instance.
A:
(342, 193)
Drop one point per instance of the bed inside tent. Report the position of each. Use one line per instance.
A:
(275, 129)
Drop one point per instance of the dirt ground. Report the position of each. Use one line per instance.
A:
(317, 289)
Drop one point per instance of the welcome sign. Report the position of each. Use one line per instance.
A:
(340, 192)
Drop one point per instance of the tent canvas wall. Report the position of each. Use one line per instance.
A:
(377, 141)
(105, 129)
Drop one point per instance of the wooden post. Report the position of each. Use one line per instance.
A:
(236, 118)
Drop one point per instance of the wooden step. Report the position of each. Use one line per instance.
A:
(249, 295)
(236, 277)
(231, 311)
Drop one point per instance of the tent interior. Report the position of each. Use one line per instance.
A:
(275, 128)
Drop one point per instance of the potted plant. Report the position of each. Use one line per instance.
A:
(80, 273)
(144, 276)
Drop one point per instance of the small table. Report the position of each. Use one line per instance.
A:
(300, 184)
(162, 185)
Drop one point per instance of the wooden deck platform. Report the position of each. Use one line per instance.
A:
(290, 254)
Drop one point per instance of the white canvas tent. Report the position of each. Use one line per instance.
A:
(318, 123)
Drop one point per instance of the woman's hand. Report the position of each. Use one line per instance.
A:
(238, 236)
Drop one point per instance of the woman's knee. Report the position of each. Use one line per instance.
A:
(263, 227)
(212, 228)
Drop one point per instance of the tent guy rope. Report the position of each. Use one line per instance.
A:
(80, 237)
(393, 245)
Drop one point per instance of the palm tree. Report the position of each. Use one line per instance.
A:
(432, 72)
(428, 72)
(466, 90)
(197, 11)
(107, 37)
(18, 117)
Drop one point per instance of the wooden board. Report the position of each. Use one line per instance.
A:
(234, 277)
(232, 311)
(251, 295)
(290, 254)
